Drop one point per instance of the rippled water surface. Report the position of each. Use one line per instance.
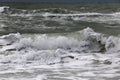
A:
(50, 41)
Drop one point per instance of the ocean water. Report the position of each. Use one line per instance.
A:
(51, 41)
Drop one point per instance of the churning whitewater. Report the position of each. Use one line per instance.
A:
(59, 44)
(51, 49)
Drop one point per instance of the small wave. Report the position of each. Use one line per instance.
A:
(48, 14)
(112, 19)
(44, 21)
(4, 9)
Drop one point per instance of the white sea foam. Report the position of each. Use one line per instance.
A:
(47, 14)
(44, 49)
(82, 55)
(44, 42)
(74, 51)
(4, 9)
(39, 77)
(9, 39)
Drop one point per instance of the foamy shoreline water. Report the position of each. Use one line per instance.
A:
(60, 54)
(66, 44)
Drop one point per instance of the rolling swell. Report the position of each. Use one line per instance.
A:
(56, 20)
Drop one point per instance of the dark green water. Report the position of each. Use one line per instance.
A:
(27, 18)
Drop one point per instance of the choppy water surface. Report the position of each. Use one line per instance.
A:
(59, 41)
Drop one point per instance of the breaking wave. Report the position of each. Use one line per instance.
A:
(4, 9)
(56, 47)
(50, 49)
(61, 47)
